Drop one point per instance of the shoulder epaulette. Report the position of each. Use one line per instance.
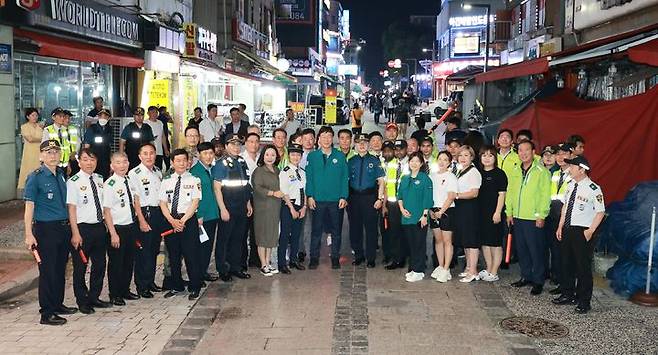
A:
(98, 175)
(75, 177)
(138, 170)
(111, 182)
(593, 186)
(286, 168)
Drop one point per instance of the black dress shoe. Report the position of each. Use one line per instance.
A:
(86, 309)
(301, 256)
(170, 294)
(297, 266)
(130, 296)
(241, 275)
(582, 308)
(118, 301)
(203, 284)
(226, 277)
(386, 260)
(146, 294)
(52, 319)
(66, 310)
(100, 304)
(521, 283)
(564, 299)
(371, 264)
(537, 289)
(284, 270)
(193, 295)
(358, 261)
(211, 278)
(335, 263)
(555, 291)
(313, 264)
(391, 266)
(155, 288)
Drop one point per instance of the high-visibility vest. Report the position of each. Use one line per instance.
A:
(433, 164)
(557, 192)
(68, 143)
(392, 178)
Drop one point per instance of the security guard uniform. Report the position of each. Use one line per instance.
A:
(179, 191)
(584, 201)
(66, 136)
(147, 186)
(293, 184)
(85, 192)
(100, 138)
(118, 196)
(47, 190)
(231, 172)
(364, 174)
(392, 241)
(135, 136)
(560, 179)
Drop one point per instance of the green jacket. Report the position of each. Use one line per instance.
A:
(208, 209)
(528, 197)
(326, 177)
(416, 196)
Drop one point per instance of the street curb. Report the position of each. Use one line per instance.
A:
(25, 282)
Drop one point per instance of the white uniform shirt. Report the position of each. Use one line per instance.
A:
(472, 179)
(190, 189)
(443, 183)
(292, 180)
(210, 128)
(115, 197)
(304, 161)
(158, 132)
(587, 203)
(252, 164)
(147, 184)
(80, 194)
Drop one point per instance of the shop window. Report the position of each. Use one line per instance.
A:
(95, 82)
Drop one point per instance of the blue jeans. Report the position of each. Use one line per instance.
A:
(334, 216)
(529, 242)
(290, 231)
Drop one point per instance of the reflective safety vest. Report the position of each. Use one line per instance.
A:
(395, 170)
(558, 190)
(68, 141)
(433, 164)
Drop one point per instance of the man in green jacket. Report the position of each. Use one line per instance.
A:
(208, 212)
(527, 205)
(326, 188)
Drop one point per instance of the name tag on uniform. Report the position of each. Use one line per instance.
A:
(136, 135)
(98, 139)
(50, 195)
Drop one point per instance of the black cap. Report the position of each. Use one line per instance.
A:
(549, 149)
(217, 141)
(295, 148)
(58, 111)
(68, 113)
(579, 161)
(139, 111)
(425, 139)
(400, 143)
(565, 147)
(388, 144)
(232, 137)
(454, 139)
(361, 137)
(375, 133)
(105, 112)
(49, 145)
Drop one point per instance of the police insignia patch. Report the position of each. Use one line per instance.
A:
(83, 188)
(335, 161)
(593, 186)
(138, 170)
(370, 166)
(417, 182)
(75, 178)
(599, 198)
(111, 183)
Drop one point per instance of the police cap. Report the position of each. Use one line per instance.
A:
(233, 138)
(139, 111)
(361, 137)
(105, 112)
(49, 145)
(565, 147)
(400, 144)
(579, 161)
(57, 111)
(389, 144)
(295, 148)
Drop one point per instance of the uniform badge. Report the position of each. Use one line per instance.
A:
(417, 182)
(98, 139)
(83, 188)
(120, 192)
(335, 161)
(581, 207)
(85, 200)
(599, 198)
(136, 135)
(50, 195)
(146, 191)
(145, 181)
(123, 204)
(370, 166)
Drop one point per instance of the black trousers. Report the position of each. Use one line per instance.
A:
(577, 254)
(552, 252)
(362, 215)
(416, 239)
(94, 246)
(392, 236)
(54, 245)
(185, 244)
(289, 235)
(230, 240)
(146, 256)
(249, 247)
(121, 261)
(206, 248)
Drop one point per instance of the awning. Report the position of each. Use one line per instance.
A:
(535, 66)
(465, 74)
(618, 46)
(57, 47)
(646, 53)
(258, 62)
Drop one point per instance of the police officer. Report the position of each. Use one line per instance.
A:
(119, 195)
(134, 135)
(179, 199)
(581, 215)
(391, 239)
(65, 135)
(84, 196)
(366, 181)
(233, 194)
(293, 183)
(99, 138)
(146, 179)
(48, 232)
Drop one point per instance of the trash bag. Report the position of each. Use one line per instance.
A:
(626, 232)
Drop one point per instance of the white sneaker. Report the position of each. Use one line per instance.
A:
(449, 275)
(265, 271)
(490, 277)
(483, 274)
(416, 276)
(274, 271)
(463, 274)
(469, 278)
(437, 272)
(443, 276)
(408, 274)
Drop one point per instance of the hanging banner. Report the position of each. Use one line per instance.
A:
(330, 109)
(158, 92)
(189, 95)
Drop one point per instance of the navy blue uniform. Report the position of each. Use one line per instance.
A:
(364, 171)
(135, 136)
(53, 234)
(100, 139)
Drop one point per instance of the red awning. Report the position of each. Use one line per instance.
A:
(646, 53)
(50, 46)
(535, 66)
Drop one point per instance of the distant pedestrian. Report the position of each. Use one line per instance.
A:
(356, 115)
(31, 133)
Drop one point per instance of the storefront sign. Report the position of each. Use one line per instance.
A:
(467, 45)
(464, 21)
(300, 67)
(158, 92)
(330, 105)
(199, 42)
(80, 15)
(588, 13)
(296, 106)
(5, 58)
(295, 11)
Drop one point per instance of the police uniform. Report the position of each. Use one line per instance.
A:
(100, 138)
(392, 243)
(66, 136)
(147, 186)
(584, 201)
(179, 192)
(364, 174)
(118, 197)
(292, 181)
(85, 192)
(47, 190)
(231, 173)
(135, 136)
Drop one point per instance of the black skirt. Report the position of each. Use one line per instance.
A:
(492, 234)
(466, 223)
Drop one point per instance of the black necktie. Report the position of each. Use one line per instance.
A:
(97, 201)
(302, 196)
(572, 199)
(454, 168)
(174, 202)
(398, 172)
(130, 198)
(559, 183)
(59, 133)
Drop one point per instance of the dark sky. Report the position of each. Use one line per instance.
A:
(369, 18)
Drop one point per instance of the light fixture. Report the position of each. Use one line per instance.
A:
(358, 48)
(467, 6)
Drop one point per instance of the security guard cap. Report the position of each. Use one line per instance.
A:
(233, 138)
(57, 111)
(454, 139)
(105, 112)
(549, 149)
(401, 144)
(361, 138)
(295, 148)
(49, 145)
(389, 145)
(68, 113)
(426, 139)
(579, 161)
(139, 111)
(565, 147)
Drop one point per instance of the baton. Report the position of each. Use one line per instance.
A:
(82, 256)
(36, 255)
(138, 244)
(445, 115)
(509, 248)
(164, 234)
(385, 223)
